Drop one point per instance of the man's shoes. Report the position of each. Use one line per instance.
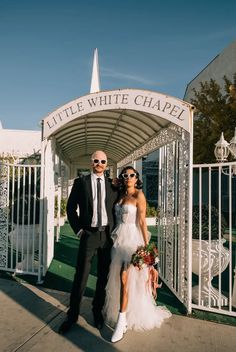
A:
(66, 326)
(98, 320)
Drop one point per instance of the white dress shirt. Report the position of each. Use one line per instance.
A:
(103, 195)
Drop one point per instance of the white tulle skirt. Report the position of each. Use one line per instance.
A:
(142, 312)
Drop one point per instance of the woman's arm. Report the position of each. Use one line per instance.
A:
(141, 207)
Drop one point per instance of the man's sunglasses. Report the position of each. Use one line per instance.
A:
(126, 176)
(97, 161)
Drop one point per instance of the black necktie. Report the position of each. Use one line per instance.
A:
(99, 204)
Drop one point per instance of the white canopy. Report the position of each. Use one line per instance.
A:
(117, 122)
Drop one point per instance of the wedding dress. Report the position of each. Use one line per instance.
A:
(142, 312)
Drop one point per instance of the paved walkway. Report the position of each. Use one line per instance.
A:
(30, 317)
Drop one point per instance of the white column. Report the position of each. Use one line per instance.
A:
(49, 202)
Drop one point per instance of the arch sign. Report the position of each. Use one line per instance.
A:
(164, 106)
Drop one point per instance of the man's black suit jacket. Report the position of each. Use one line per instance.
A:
(81, 195)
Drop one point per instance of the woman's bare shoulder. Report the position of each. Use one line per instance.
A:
(140, 195)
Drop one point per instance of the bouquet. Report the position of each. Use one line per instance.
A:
(145, 256)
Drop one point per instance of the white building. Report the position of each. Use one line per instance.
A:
(222, 65)
(128, 124)
(19, 144)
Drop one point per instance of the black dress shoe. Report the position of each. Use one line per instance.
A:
(98, 320)
(66, 326)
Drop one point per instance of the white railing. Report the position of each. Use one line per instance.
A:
(214, 232)
(214, 238)
(20, 218)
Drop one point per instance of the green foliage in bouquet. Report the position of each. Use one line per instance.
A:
(145, 256)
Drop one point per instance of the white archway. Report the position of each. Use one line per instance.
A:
(118, 121)
(128, 124)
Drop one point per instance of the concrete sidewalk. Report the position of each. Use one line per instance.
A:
(30, 317)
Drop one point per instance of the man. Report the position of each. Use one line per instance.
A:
(95, 196)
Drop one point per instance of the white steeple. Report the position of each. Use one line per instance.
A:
(95, 81)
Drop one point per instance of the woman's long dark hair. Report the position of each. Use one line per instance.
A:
(121, 180)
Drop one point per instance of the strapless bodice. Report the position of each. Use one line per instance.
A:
(125, 213)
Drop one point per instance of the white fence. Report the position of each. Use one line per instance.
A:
(213, 256)
(214, 238)
(20, 219)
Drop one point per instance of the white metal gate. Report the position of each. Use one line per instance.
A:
(214, 238)
(174, 223)
(175, 205)
(20, 219)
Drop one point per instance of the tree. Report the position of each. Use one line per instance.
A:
(215, 113)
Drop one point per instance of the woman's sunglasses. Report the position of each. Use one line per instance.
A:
(97, 161)
(126, 176)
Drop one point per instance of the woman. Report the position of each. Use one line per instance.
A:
(129, 299)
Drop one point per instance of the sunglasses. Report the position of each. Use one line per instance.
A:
(97, 161)
(126, 176)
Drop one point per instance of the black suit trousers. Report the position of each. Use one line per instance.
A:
(91, 243)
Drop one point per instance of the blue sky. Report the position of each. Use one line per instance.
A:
(46, 49)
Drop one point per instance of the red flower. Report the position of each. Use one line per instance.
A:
(145, 256)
